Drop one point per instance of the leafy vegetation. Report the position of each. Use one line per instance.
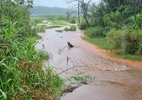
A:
(58, 22)
(82, 79)
(59, 31)
(71, 28)
(104, 43)
(21, 69)
(114, 25)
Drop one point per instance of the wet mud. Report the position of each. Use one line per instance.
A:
(115, 78)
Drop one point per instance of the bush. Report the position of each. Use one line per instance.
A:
(90, 31)
(130, 41)
(94, 32)
(133, 42)
(83, 26)
(72, 21)
(116, 37)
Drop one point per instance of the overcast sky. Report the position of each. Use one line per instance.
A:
(54, 3)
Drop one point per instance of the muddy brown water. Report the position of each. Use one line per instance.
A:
(115, 78)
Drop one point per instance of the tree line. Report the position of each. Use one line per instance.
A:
(40, 10)
(113, 19)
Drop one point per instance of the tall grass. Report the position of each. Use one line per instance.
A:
(58, 22)
(21, 74)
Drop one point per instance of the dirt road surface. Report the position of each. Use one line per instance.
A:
(115, 78)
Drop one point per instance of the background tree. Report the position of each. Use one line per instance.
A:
(83, 8)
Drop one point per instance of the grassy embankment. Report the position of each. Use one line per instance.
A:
(126, 43)
(21, 67)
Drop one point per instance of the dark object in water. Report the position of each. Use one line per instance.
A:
(69, 44)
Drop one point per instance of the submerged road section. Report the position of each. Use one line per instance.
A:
(115, 78)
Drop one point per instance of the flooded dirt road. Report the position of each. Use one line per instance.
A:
(115, 78)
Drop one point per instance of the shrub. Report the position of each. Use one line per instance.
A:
(72, 28)
(130, 41)
(83, 26)
(90, 31)
(72, 21)
(133, 42)
(116, 37)
(96, 32)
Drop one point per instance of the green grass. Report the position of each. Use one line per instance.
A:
(60, 31)
(35, 21)
(21, 68)
(104, 43)
(40, 28)
(90, 31)
(132, 57)
(42, 55)
(71, 28)
(82, 79)
(52, 26)
(58, 22)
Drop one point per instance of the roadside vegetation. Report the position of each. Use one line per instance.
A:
(60, 31)
(71, 28)
(41, 23)
(82, 79)
(21, 68)
(47, 22)
(115, 25)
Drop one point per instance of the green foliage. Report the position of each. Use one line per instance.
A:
(93, 32)
(21, 68)
(132, 40)
(40, 28)
(137, 21)
(118, 23)
(60, 31)
(83, 26)
(116, 37)
(104, 43)
(81, 79)
(20, 16)
(56, 17)
(112, 19)
(54, 82)
(72, 28)
(58, 22)
(35, 21)
(132, 57)
(90, 31)
(72, 20)
(42, 55)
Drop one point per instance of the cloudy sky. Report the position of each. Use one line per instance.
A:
(54, 3)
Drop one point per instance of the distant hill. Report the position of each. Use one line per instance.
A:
(41, 10)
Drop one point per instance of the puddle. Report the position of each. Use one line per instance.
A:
(87, 59)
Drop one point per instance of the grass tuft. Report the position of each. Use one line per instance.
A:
(60, 31)
(71, 28)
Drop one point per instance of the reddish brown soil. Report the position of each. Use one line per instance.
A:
(115, 78)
